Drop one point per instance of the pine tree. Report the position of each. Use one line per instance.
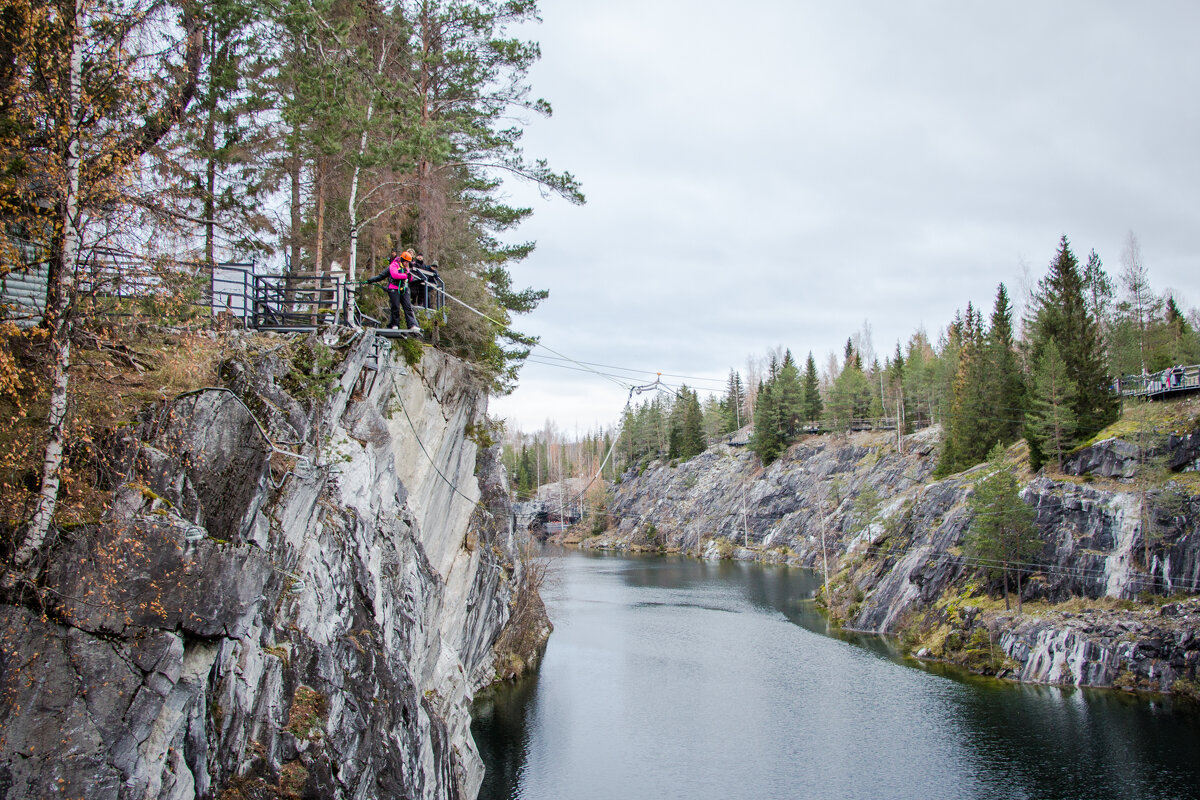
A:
(1097, 289)
(220, 169)
(468, 78)
(1002, 531)
(894, 375)
(921, 367)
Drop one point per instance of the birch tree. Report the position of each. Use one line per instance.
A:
(86, 104)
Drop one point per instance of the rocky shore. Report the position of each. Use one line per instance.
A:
(1110, 603)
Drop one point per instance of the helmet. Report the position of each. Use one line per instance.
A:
(407, 255)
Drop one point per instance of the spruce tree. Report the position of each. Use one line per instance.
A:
(525, 473)
(1053, 420)
(1183, 345)
(789, 395)
(849, 397)
(767, 440)
(693, 441)
(1060, 312)
(732, 405)
(686, 438)
(875, 380)
(1002, 530)
(967, 430)
(1005, 404)
(813, 407)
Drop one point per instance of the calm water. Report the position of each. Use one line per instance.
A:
(672, 678)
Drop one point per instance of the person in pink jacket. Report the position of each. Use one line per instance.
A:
(397, 277)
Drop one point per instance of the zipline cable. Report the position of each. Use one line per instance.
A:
(653, 372)
(658, 384)
(503, 326)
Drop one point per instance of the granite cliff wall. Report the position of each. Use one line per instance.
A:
(892, 538)
(295, 592)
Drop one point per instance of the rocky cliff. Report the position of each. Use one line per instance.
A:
(864, 505)
(295, 592)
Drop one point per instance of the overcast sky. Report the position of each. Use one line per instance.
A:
(775, 172)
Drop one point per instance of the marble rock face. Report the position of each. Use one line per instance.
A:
(291, 596)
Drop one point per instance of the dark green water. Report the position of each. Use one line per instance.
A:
(673, 678)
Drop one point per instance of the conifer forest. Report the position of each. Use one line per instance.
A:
(1044, 374)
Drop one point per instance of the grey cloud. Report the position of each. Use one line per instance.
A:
(880, 160)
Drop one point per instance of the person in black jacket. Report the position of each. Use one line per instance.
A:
(419, 292)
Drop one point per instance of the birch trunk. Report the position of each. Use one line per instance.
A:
(352, 208)
(57, 318)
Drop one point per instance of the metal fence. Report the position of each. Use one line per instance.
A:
(119, 275)
(1157, 384)
(297, 302)
(237, 291)
(231, 286)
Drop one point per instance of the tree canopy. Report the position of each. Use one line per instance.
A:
(1002, 535)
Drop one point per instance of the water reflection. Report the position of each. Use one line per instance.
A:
(670, 677)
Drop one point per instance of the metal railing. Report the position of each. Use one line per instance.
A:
(110, 273)
(296, 302)
(1167, 381)
(428, 291)
(231, 287)
(232, 290)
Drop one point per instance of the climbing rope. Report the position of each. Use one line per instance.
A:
(194, 532)
(453, 486)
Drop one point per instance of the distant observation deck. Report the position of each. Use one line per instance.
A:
(1172, 380)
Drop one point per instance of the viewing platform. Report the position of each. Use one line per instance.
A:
(1170, 381)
